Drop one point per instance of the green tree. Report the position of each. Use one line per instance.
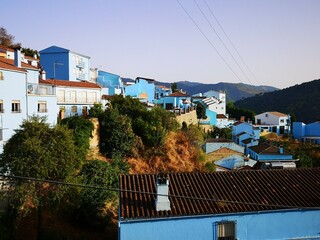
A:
(30, 52)
(82, 129)
(96, 110)
(92, 208)
(174, 87)
(219, 132)
(116, 134)
(201, 111)
(44, 152)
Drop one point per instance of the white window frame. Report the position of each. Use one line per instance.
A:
(15, 106)
(1, 106)
(42, 107)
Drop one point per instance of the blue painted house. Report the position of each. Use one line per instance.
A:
(176, 100)
(242, 132)
(142, 88)
(64, 64)
(307, 132)
(162, 91)
(110, 81)
(247, 205)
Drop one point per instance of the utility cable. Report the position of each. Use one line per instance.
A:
(204, 15)
(231, 43)
(152, 193)
(205, 36)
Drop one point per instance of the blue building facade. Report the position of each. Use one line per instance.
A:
(143, 89)
(110, 81)
(242, 131)
(248, 205)
(63, 64)
(307, 132)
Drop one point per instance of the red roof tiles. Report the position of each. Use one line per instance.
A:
(66, 83)
(221, 192)
(9, 65)
(178, 94)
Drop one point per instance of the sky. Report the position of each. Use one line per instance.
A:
(271, 42)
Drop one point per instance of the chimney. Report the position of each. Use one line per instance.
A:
(17, 57)
(43, 75)
(162, 201)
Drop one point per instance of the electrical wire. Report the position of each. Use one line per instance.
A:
(225, 46)
(152, 193)
(231, 43)
(211, 44)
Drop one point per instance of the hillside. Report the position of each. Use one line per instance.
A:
(301, 101)
(234, 91)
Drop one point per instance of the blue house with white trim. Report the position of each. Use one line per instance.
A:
(307, 132)
(277, 204)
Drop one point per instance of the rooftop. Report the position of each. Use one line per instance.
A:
(221, 192)
(67, 83)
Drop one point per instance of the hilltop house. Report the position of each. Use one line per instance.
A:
(307, 132)
(176, 100)
(281, 204)
(111, 83)
(245, 134)
(62, 63)
(142, 88)
(273, 122)
(28, 98)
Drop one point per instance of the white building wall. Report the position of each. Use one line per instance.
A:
(271, 119)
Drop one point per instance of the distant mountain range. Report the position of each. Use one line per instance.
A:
(234, 91)
(301, 101)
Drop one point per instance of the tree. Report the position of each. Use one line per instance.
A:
(82, 129)
(96, 110)
(116, 134)
(7, 39)
(174, 87)
(201, 111)
(91, 210)
(44, 152)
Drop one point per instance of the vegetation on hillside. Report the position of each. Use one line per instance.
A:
(299, 100)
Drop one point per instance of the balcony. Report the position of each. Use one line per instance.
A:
(80, 64)
(81, 77)
(38, 89)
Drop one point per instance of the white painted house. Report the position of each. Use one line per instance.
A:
(21, 96)
(273, 122)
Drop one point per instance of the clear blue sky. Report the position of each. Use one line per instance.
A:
(279, 40)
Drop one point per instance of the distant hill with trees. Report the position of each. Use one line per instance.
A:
(300, 101)
(234, 91)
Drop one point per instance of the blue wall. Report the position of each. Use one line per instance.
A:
(212, 116)
(110, 81)
(263, 225)
(59, 55)
(141, 87)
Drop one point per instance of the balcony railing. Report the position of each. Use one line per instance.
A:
(81, 64)
(81, 77)
(42, 110)
(16, 110)
(39, 89)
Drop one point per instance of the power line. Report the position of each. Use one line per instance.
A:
(222, 41)
(249, 70)
(205, 36)
(152, 193)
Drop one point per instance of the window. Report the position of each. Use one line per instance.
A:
(42, 107)
(1, 106)
(61, 96)
(1, 135)
(1, 75)
(282, 120)
(266, 115)
(74, 109)
(226, 230)
(15, 106)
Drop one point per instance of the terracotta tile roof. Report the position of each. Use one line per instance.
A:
(265, 148)
(6, 48)
(66, 83)
(221, 192)
(242, 133)
(178, 94)
(23, 65)
(279, 114)
(221, 116)
(9, 65)
(248, 140)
